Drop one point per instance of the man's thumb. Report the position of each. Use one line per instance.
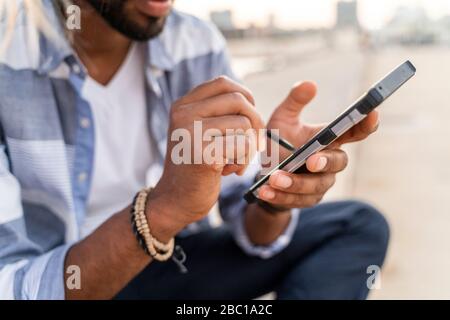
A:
(301, 94)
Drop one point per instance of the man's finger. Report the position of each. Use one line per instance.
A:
(226, 123)
(288, 200)
(301, 183)
(234, 168)
(330, 161)
(300, 95)
(224, 105)
(233, 152)
(362, 130)
(215, 87)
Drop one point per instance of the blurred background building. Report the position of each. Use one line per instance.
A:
(345, 46)
(347, 14)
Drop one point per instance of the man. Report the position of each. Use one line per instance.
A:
(84, 125)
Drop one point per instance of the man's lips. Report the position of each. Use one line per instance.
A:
(154, 8)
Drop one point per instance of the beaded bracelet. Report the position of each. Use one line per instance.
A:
(156, 249)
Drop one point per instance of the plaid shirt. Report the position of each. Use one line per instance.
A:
(47, 146)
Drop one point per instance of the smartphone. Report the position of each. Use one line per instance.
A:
(296, 163)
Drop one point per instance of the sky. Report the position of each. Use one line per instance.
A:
(307, 13)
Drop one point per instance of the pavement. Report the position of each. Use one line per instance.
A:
(403, 169)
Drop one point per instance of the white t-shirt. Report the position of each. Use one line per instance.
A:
(122, 144)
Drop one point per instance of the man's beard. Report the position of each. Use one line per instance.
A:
(115, 14)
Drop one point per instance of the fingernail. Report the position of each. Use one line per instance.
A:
(376, 127)
(283, 181)
(321, 163)
(268, 194)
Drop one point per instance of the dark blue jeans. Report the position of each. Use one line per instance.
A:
(328, 258)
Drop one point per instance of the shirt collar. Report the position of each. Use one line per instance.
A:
(53, 52)
(158, 57)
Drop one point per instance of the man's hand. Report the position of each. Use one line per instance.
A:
(187, 192)
(286, 190)
(305, 190)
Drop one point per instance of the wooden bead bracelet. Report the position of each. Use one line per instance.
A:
(156, 249)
